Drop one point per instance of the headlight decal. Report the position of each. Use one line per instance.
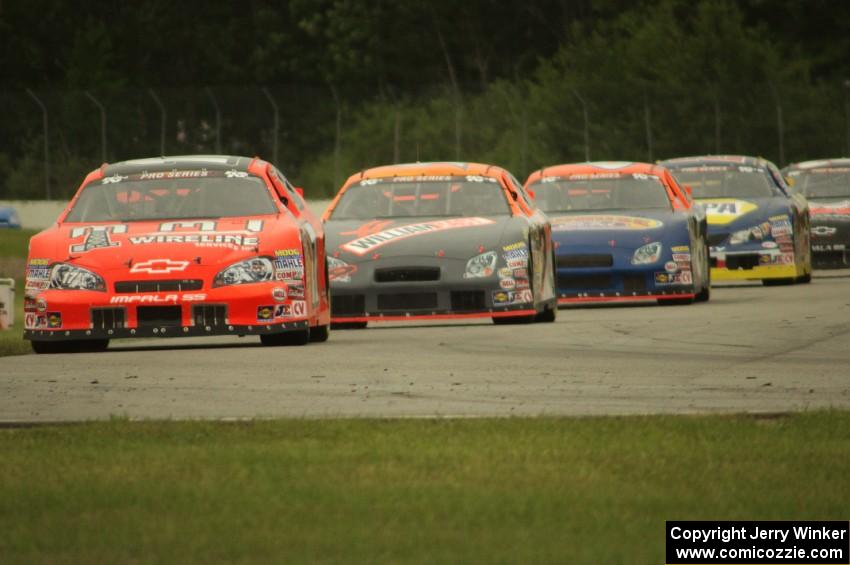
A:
(64, 276)
(648, 254)
(483, 265)
(256, 269)
(339, 270)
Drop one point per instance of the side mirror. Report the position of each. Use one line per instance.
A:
(300, 191)
(531, 194)
(689, 190)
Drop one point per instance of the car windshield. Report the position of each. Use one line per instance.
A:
(725, 181)
(831, 182)
(417, 197)
(161, 196)
(601, 192)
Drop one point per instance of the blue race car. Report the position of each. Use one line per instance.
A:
(623, 232)
(757, 229)
(9, 218)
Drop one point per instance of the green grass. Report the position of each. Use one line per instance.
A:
(594, 490)
(13, 255)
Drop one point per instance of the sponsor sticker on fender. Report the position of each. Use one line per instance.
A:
(603, 222)
(722, 211)
(366, 244)
(507, 297)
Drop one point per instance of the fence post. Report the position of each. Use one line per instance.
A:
(586, 124)
(163, 118)
(275, 124)
(211, 96)
(46, 142)
(100, 107)
(780, 123)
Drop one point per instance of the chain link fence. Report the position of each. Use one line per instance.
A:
(318, 135)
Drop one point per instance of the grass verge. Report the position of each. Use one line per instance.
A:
(594, 490)
(13, 256)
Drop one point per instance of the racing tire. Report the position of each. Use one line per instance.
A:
(704, 295)
(804, 279)
(320, 334)
(70, 346)
(349, 325)
(513, 320)
(548, 315)
(777, 282)
(298, 337)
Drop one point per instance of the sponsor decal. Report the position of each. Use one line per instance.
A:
(34, 321)
(367, 244)
(521, 273)
(603, 222)
(289, 262)
(671, 266)
(54, 320)
(296, 290)
(682, 277)
(290, 274)
(265, 313)
(159, 266)
(507, 297)
(769, 244)
(680, 249)
(37, 276)
(232, 240)
(513, 246)
(154, 299)
(506, 272)
(721, 211)
(519, 263)
(34, 262)
(682, 257)
(95, 237)
(299, 308)
(521, 253)
(522, 284)
(340, 271)
(279, 293)
(507, 284)
(234, 174)
(41, 305)
(287, 252)
(198, 225)
(829, 247)
(114, 179)
(175, 174)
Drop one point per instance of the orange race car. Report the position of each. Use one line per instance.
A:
(438, 240)
(178, 246)
(623, 231)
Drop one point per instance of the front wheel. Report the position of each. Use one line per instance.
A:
(320, 334)
(548, 315)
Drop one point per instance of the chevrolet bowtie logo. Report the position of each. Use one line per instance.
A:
(159, 266)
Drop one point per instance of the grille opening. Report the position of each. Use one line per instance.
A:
(712, 262)
(108, 318)
(634, 282)
(582, 282)
(407, 274)
(408, 301)
(468, 300)
(158, 316)
(348, 305)
(745, 262)
(715, 239)
(134, 287)
(580, 261)
(209, 314)
(830, 258)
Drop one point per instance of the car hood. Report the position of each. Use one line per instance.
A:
(730, 214)
(164, 248)
(457, 237)
(617, 228)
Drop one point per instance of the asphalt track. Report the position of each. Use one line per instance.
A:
(751, 349)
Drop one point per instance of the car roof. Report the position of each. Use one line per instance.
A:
(178, 162)
(595, 167)
(436, 168)
(696, 160)
(821, 163)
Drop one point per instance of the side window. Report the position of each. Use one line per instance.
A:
(778, 180)
(293, 194)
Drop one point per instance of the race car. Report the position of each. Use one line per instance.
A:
(178, 246)
(623, 232)
(9, 218)
(438, 240)
(826, 185)
(757, 229)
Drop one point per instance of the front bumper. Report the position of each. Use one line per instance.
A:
(237, 310)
